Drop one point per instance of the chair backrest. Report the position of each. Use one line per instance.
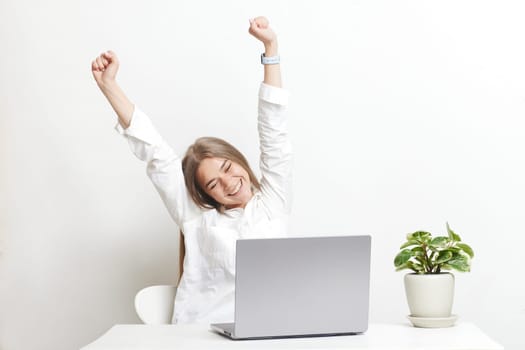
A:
(154, 304)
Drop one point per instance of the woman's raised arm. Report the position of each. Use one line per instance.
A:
(259, 28)
(274, 142)
(163, 164)
(104, 69)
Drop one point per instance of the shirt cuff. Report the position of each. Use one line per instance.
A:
(140, 127)
(273, 94)
(120, 129)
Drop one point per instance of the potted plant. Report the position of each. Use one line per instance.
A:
(429, 288)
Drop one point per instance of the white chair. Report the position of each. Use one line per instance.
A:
(154, 304)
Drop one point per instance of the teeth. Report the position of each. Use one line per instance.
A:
(236, 189)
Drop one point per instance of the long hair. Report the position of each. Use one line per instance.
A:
(210, 147)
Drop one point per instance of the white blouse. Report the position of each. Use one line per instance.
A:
(207, 288)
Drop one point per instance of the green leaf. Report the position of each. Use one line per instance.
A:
(439, 242)
(453, 236)
(421, 260)
(459, 266)
(409, 243)
(466, 248)
(402, 257)
(433, 249)
(417, 267)
(443, 256)
(420, 236)
(410, 265)
(445, 267)
(418, 251)
(460, 263)
(407, 265)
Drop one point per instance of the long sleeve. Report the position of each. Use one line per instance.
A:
(276, 150)
(164, 167)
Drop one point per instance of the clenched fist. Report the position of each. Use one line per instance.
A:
(105, 67)
(259, 28)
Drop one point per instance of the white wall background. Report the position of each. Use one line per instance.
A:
(404, 115)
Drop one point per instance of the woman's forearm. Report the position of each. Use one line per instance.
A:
(259, 28)
(272, 72)
(119, 101)
(104, 69)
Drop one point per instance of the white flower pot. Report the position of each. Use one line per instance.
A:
(430, 295)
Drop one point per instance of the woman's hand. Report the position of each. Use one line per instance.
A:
(105, 68)
(259, 28)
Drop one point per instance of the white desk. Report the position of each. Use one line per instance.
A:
(379, 336)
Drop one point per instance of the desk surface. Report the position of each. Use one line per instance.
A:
(379, 336)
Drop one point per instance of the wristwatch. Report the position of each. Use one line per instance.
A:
(270, 60)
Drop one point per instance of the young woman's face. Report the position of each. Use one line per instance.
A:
(225, 181)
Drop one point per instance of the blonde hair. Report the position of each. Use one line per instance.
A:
(210, 147)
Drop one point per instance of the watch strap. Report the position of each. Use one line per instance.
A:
(270, 60)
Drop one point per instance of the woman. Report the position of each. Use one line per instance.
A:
(212, 194)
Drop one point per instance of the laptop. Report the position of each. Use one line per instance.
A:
(300, 287)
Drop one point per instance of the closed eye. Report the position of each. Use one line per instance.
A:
(211, 184)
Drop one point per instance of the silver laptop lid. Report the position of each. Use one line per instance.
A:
(302, 286)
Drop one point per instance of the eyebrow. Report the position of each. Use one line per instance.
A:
(222, 166)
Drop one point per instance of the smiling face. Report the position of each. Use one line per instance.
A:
(225, 181)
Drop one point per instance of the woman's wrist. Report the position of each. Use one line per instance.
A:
(271, 48)
(108, 85)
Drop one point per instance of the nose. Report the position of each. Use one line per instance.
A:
(224, 178)
(227, 181)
